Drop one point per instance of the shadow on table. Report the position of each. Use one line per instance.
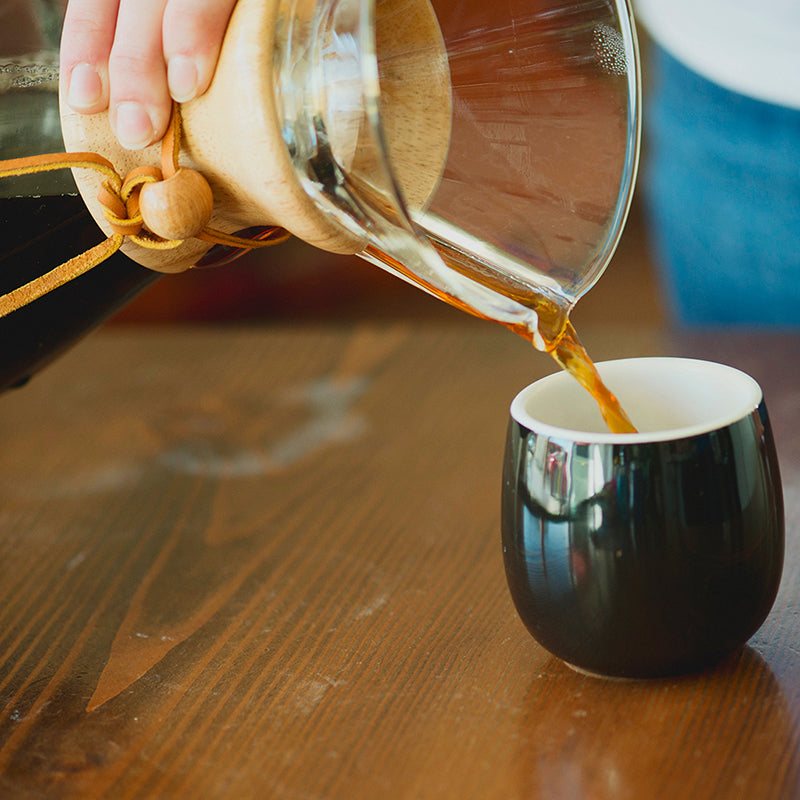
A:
(730, 732)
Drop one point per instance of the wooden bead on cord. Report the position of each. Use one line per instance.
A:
(179, 207)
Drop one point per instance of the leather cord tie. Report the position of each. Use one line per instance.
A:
(155, 207)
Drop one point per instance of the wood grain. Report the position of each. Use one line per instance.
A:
(265, 563)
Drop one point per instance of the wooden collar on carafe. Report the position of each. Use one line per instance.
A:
(155, 207)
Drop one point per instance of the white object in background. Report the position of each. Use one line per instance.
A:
(748, 46)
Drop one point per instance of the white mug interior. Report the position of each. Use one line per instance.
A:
(666, 398)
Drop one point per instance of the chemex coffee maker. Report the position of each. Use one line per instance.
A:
(485, 153)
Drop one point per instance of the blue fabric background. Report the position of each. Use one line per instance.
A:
(721, 181)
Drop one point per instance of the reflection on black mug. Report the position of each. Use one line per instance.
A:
(647, 554)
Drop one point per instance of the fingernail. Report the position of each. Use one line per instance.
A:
(182, 78)
(134, 127)
(85, 87)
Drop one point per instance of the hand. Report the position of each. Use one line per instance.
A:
(133, 57)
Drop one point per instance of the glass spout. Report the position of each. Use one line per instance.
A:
(486, 154)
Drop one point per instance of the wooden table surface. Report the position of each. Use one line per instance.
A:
(265, 563)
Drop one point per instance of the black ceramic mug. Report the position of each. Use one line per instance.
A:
(646, 554)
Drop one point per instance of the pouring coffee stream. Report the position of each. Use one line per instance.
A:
(560, 340)
(487, 160)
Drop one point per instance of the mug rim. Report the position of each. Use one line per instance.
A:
(752, 399)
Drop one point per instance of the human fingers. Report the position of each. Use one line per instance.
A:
(139, 102)
(192, 35)
(86, 39)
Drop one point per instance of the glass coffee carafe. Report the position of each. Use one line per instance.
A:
(485, 153)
